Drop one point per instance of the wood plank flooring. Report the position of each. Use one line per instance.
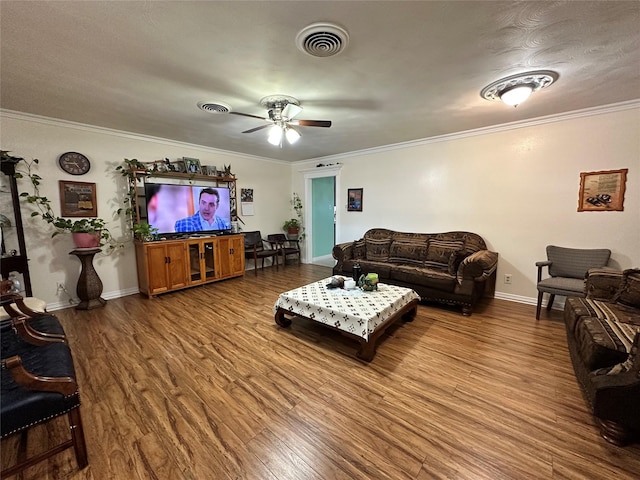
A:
(202, 384)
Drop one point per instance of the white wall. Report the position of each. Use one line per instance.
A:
(516, 187)
(50, 263)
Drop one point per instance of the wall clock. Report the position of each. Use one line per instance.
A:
(74, 163)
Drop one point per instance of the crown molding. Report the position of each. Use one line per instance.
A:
(15, 115)
(560, 117)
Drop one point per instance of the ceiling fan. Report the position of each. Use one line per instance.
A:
(281, 110)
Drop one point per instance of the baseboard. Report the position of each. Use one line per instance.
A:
(325, 260)
(52, 307)
(558, 304)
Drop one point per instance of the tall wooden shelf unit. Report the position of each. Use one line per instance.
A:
(18, 262)
(169, 265)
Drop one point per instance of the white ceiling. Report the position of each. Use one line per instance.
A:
(412, 69)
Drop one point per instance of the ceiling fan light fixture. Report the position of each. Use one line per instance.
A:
(292, 135)
(275, 135)
(516, 89)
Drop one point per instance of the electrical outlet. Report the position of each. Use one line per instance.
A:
(507, 278)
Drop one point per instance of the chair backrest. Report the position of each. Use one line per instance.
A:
(251, 239)
(277, 237)
(575, 262)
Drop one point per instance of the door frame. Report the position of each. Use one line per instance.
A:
(319, 172)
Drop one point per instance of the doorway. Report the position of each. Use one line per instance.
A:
(323, 220)
(321, 214)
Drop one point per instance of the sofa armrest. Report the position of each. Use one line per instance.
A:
(479, 265)
(615, 391)
(603, 283)
(342, 252)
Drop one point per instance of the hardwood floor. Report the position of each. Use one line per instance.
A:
(202, 384)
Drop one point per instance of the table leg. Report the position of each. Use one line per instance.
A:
(366, 351)
(281, 319)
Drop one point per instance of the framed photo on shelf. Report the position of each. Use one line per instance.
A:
(77, 199)
(602, 191)
(204, 169)
(192, 165)
(354, 199)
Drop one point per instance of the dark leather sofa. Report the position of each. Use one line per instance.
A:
(603, 335)
(455, 268)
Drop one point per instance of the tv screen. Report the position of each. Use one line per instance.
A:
(187, 209)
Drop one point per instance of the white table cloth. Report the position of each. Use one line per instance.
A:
(353, 311)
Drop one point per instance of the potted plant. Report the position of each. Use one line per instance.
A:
(144, 232)
(86, 232)
(293, 226)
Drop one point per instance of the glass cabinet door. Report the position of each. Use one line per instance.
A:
(209, 270)
(195, 273)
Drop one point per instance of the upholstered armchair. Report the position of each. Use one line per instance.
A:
(567, 268)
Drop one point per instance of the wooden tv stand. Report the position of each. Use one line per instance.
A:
(169, 265)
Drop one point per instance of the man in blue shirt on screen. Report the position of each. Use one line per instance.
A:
(205, 218)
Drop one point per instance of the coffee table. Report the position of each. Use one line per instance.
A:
(363, 316)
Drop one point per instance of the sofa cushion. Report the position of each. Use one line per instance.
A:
(359, 249)
(632, 363)
(604, 331)
(438, 279)
(444, 254)
(629, 292)
(599, 345)
(411, 253)
(378, 249)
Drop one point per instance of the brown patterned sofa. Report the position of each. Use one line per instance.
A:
(603, 335)
(453, 268)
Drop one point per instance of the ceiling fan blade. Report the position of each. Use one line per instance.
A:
(312, 123)
(291, 110)
(248, 115)
(251, 130)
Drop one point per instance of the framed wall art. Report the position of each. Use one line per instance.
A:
(77, 199)
(354, 200)
(602, 191)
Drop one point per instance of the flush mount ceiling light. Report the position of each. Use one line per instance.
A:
(516, 89)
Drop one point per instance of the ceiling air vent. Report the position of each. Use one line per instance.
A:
(214, 107)
(322, 39)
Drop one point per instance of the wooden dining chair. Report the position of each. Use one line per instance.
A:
(255, 247)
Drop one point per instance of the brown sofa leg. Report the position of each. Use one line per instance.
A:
(614, 433)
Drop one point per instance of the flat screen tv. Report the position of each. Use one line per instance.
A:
(185, 210)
